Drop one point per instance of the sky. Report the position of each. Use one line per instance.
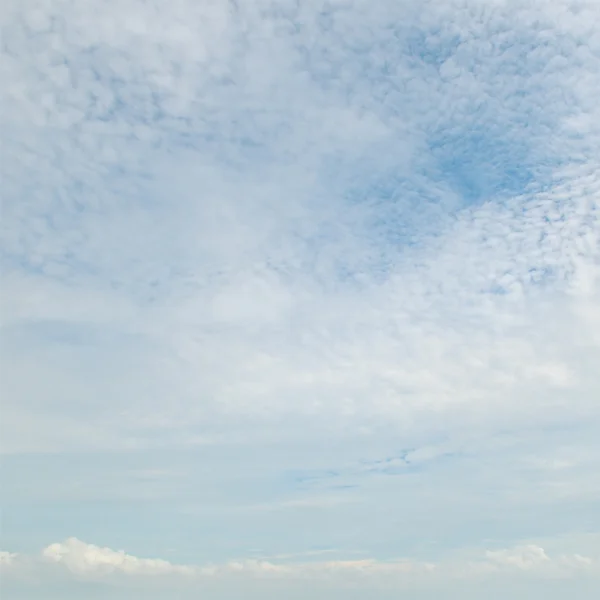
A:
(300, 299)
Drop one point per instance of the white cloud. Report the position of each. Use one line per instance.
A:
(524, 557)
(82, 558)
(7, 558)
(284, 238)
(88, 560)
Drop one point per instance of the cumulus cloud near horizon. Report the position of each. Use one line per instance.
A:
(83, 559)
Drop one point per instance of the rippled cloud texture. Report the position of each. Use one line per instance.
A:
(300, 299)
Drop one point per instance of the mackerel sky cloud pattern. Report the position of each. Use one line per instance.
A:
(300, 298)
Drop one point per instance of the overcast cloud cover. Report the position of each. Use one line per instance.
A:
(300, 299)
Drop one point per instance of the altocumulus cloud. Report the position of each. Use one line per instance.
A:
(275, 211)
(301, 276)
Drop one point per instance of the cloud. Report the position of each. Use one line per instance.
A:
(525, 557)
(360, 220)
(247, 246)
(81, 559)
(7, 558)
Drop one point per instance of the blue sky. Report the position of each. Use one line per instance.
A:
(300, 299)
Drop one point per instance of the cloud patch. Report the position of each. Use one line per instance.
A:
(88, 560)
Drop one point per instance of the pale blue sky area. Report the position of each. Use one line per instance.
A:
(300, 299)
